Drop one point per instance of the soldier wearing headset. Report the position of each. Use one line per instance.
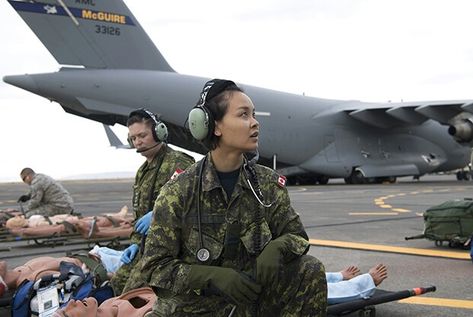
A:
(148, 135)
(224, 239)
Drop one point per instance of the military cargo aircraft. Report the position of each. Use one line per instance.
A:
(110, 66)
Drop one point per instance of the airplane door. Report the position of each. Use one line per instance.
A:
(330, 148)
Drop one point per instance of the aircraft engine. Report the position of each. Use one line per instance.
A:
(462, 131)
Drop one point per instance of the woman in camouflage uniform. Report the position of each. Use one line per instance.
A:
(224, 239)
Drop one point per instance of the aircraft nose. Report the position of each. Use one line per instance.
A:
(22, 81)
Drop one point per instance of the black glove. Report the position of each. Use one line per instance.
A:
(237, 286)
(268, 263)
(23, 198)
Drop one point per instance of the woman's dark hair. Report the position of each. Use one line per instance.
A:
(217, 106)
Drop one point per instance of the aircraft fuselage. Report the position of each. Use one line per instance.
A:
(304, 134)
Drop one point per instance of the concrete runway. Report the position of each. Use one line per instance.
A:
(372, 216)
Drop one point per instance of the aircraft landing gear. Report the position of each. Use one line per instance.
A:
(356, 177)
(308, 180)
(322, 180)
(463, 175)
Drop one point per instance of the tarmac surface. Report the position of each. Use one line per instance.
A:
(347, 224)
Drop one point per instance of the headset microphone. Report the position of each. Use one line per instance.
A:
(147, 149)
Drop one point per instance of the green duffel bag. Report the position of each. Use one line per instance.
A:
(450, 221)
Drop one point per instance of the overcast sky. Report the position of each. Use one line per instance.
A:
(370, 50)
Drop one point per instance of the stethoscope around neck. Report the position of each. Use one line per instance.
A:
(203, 254)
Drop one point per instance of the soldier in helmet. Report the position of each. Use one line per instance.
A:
(147, 134)
(224, 239)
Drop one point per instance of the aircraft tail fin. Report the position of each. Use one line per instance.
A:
(113, 139)
(90, 33)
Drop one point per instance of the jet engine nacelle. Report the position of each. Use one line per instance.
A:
(462, 131)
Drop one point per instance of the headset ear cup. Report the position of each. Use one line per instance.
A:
(130, 142)
(199, 123)
(161, 132)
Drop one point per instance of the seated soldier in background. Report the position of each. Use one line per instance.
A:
(47, 197)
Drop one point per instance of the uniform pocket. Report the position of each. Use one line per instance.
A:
(209, 242)
(249, 237)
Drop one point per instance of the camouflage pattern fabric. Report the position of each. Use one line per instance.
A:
(301, 291)
(48, 197)
(157, 173)
(124, 273)
(173, 241)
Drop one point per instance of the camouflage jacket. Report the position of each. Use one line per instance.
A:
(46, 190)
(173, 238)
(152, 176)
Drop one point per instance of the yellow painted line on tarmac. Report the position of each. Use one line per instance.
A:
(400, 210)
(386, 206)
(373, 213)
(458, 255)
(444, 302)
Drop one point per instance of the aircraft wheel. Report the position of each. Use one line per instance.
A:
(358, 178)
(461, 175)
(369, 311)
(454, 244)
(322, 180)
(292, 181)
(438, 243)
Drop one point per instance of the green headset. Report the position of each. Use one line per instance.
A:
(158, 128)
(200, 119)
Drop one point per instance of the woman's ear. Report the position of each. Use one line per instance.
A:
(217, 130)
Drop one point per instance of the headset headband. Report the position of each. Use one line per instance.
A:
(212, 88)
(159, 129)
(145, 113)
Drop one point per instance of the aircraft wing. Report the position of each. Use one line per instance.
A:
(390, 115)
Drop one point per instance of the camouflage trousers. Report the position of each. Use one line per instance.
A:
(300, 291)
(47, 210)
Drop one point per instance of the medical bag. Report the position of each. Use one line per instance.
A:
(451, 221)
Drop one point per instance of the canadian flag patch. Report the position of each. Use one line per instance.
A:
(282, 181)
(176, 173)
